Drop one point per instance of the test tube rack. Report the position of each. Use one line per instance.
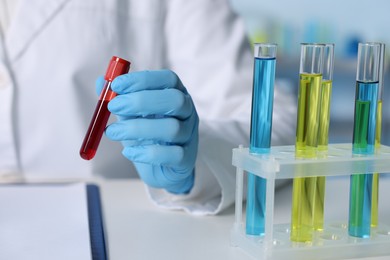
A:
(331, 243)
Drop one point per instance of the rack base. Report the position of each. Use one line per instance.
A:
(332, 243)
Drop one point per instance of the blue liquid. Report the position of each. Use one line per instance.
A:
(262, 105)
(255, 205)
(363, 143)
(260, 140)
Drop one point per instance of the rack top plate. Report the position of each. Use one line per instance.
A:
(281, 163)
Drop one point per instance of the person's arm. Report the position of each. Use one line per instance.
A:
(208, 48)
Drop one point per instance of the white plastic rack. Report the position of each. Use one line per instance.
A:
(331, 243)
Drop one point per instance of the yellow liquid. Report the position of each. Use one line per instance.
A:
(319, 203)
(378, 132)
(302, 225)
(375, 177)
(304, 189)
(323, 138)
(323, 131)
(309, 100)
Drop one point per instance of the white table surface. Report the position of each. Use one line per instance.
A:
(137, 229)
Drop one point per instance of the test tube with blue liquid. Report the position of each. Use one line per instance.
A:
(260, 132)
(364, 132)
(375, 177)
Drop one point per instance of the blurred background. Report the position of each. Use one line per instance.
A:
(345, 23)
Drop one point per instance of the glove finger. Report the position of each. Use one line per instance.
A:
(181, 158)
(156, 176)
(99, 84)
(163, 155)
(146, 80)
(169, 102)
(161, 130)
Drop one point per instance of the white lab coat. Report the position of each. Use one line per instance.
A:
(54, 51)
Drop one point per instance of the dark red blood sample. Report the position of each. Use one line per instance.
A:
(116, 67)
(95, 131)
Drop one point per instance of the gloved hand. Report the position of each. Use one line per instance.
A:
(158, 127)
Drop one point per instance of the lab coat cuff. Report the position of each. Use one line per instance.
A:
(204, 198)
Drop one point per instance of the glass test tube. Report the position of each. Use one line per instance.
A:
(375, 177)
(260, 132)
(116, 67)
(309, 99)
(366, 100)
(323, 133)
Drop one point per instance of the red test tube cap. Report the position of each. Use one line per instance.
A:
(116, 67)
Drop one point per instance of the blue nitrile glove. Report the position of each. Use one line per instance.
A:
(158, 127)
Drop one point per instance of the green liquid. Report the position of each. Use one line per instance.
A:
(375, 177)
(305, 189)
(356, 211)
(361, 125)
(358, 182)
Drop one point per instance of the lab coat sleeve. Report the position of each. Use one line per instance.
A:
(214, 188)
(208, 49)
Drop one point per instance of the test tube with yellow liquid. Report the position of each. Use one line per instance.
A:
(323, 133)
(378, 133)
(309, 101)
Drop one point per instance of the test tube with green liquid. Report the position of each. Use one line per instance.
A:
(323, 133)
(364, 133)
(378, 133)
(260, 132)
(309, 100)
